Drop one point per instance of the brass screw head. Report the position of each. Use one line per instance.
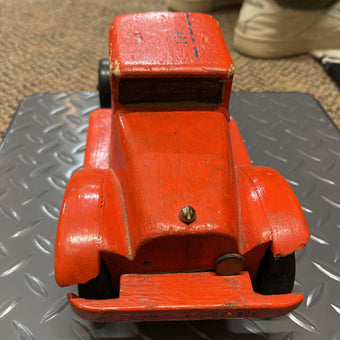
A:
(187, 214)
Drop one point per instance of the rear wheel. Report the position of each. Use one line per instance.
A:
(275, 275)
(98, 288)
(104, 86)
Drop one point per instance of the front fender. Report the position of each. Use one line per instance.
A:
(77, 258)
(269, 212)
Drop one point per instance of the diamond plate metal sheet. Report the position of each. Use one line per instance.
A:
(45, 145)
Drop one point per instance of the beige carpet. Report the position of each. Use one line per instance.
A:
(54, 45)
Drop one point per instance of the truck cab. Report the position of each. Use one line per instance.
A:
(176, 60)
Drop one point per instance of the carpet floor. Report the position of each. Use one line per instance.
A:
(55, 46)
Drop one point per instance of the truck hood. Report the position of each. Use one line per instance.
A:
(167, 160)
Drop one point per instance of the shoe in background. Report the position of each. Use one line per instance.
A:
(199, 5)
(267, 30)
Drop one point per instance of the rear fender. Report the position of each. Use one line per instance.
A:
(269, 212)
(77, 258)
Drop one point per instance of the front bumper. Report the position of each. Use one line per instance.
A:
(184, 296)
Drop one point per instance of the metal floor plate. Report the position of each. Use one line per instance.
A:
(45, 144)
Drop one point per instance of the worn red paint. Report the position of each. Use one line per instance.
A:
(184, 297)
(143, 163)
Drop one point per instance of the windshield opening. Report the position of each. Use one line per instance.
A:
(170, 90)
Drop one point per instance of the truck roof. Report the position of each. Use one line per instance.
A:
(168, 44)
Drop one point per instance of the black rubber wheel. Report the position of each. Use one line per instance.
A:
(104, 86)
(98, 288)
(275, 275)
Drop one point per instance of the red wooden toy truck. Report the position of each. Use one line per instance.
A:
(169, 219)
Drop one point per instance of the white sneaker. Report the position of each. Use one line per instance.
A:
(267, 30)
(199, 5)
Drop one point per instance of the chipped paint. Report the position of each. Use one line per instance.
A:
(116, 68)
(231, 70)
(136, 35)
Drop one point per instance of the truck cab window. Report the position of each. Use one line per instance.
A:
(170, 90)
